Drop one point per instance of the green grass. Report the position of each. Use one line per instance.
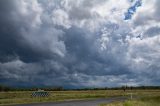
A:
(134, 103)
(128, 103)
(22, 97)
(144, 98)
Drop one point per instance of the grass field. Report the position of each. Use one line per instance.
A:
(143, 98)
(22, 97)
(25, 96)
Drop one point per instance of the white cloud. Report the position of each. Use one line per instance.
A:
(61, 18)
(144, 53)
(30, 11)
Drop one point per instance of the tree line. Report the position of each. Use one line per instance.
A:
(4, 88)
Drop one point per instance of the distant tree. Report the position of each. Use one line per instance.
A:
(4, 88)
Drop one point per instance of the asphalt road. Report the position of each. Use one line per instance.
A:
(94, 102)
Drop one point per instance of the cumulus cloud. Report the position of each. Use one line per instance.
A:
(79, 43)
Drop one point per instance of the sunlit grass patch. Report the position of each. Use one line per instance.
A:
(132, 103)
(144, 98)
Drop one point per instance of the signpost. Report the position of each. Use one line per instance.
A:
(131, 95)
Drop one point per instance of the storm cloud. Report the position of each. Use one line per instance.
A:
(82, 43)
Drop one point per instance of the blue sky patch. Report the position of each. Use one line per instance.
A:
(132, 10)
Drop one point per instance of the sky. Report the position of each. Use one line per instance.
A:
(79, 43)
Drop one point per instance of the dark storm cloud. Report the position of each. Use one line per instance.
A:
(87, 59)
(18, 37)
(72, 44)
(11, 41)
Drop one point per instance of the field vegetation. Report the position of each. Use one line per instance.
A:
(142, 98)
(22, 96)
(18, 97)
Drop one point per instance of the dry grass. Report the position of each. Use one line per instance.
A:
(127, 103)
(22, 97)
(25, 96)
(145, 98)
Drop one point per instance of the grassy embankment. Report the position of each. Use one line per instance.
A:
(21, 97)
(144, 98)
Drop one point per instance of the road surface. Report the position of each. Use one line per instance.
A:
(94, 102)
